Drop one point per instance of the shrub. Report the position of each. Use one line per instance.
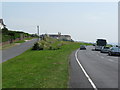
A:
(46, 47)
(37, 46)
(48, 44)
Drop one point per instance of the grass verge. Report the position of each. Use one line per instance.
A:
(21, 41)
(38, 69)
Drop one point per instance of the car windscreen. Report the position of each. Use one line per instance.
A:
(115, 49)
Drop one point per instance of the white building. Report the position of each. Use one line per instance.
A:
(2, 25)
(59, 36)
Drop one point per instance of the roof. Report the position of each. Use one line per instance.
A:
(53, 35)
(66, 35)
(56, 35)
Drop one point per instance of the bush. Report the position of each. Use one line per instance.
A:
(48, 44)
(37, 46)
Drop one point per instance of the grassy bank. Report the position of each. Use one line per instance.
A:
(39, 69)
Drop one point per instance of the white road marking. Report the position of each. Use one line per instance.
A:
(114, 57)
(111, 60)
(89, 79)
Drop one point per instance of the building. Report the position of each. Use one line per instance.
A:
(58, 36)
(53, 36)
(2, 25)
(65, 37)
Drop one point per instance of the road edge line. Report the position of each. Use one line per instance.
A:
(89, 79)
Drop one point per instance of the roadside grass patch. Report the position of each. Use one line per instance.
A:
(39, 68)
(30, 38)
(21, 41)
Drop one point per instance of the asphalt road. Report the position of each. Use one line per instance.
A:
(17, 50)
(101, 68)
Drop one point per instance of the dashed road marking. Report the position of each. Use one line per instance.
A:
(89, 79)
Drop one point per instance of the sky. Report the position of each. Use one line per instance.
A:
(84, 21)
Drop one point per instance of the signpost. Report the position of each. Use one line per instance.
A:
(38, 33)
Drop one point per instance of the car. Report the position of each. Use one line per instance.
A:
(105, 49)
(82, 47)
(114, 51)
(98, 48)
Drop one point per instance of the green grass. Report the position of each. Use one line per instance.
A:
(5, 38)
(30, 38)
(48, 44)
(21, 41)
(108, 45)
(39, 69)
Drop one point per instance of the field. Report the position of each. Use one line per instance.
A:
(39, 69)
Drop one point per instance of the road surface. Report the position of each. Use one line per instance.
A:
(17, 50)
(101, 68)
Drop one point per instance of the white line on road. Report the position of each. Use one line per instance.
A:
(110, 60)
(89, 79)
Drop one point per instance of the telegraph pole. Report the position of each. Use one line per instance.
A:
(38, 33)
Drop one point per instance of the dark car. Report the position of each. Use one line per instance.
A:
(105, 49)
(114, 51)
(82, 47)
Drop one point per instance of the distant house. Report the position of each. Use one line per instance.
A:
(2, 25)
(53, 36)
(59, 36)
(65, 37)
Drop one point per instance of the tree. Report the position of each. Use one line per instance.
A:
(12, 36)
(5, 30)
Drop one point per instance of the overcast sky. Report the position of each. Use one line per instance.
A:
(84, 21)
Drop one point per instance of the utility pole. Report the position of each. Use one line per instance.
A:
(38, 33)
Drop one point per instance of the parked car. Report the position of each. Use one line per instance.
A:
(114, 51)
(82, 47)
(105, 49)
(98, 48)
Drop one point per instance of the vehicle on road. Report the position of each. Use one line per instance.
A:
(105, 49)
(82, 47)
(98, 48)
(114, 51)
(99, 44)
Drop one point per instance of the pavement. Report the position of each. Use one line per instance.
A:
(16, 50)
(101, 68)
